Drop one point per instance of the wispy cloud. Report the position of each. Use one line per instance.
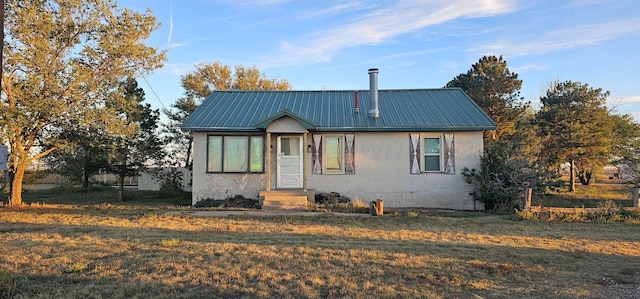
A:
(381, 25)
(177, 69)
(529, 67)
(177, 45)
(625, 105)
(396, 56)
(562, 38)
(630, 99)
(333, 10)
(170, 23)
(254, 3)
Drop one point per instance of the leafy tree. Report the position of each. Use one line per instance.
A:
(137, 142)
(60, 57)
(576, 127)
(496, 90)
(200, 83)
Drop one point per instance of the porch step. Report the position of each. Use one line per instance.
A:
(289, 200)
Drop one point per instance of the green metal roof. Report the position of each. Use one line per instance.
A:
(444, 109)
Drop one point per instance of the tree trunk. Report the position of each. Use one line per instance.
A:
(16, 186)
(121, 185)
(572, 177)
(585, 178)
(85, 179)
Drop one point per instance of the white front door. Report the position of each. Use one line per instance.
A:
(289, 162)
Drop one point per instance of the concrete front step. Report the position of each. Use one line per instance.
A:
(286, 199)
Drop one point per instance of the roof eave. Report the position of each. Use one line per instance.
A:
(349, 129)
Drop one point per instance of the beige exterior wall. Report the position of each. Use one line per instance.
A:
(381, 171)
(220, 185)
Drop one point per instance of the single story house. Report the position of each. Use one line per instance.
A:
(406, 147)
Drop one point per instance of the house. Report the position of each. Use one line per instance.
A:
(404, 146)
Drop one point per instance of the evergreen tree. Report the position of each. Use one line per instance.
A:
(576, 127)
(137, 143)
(497, 91)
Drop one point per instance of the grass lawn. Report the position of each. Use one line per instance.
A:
(87, 248)
(587, 196)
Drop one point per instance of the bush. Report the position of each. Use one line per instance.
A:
(171, 180)
(237, 201)
(504, 175)
(335, 202)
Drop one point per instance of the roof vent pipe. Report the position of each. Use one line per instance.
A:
(373, 94)
(356, 102)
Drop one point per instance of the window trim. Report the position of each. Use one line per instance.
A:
(248, 138)
(341, 149)
(440, 154)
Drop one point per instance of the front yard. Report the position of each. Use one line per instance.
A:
(136, 251)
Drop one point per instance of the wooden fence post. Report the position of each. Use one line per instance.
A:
(527, 198)
(635, 197)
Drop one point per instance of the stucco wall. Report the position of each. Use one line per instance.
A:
(382, 171)
(217, 185)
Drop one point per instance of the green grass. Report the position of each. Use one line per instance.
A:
(590, 196)
(104, 194)
(98, 247)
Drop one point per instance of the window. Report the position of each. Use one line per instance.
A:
(333, 154)
(235, 154)
(432, 153)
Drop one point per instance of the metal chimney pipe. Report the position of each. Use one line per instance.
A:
(373, 93)
(356, 108)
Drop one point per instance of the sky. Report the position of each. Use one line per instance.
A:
(331, 44)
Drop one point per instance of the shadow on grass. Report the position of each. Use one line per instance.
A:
(68, 195)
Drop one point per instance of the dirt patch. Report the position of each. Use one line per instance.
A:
(622, 285)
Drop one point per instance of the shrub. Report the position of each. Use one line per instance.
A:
(237, 201)
(503, 176)
(171, 180)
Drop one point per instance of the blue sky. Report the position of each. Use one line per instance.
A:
(415, 43)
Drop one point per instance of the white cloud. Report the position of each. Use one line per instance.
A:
(629, 99)
(178, 69)
(253, 3)
(562, 38)
(333, 10)
(529, 67)
(383, 24)
(177, 45)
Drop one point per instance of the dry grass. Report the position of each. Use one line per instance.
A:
(107, 251)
